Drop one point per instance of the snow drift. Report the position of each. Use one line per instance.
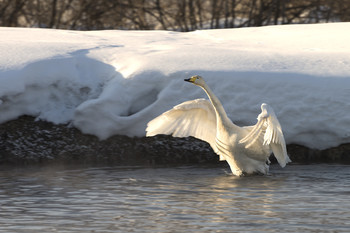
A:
(114, 82)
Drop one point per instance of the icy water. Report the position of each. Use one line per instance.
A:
(299, 198)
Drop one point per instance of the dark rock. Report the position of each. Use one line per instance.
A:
(27, 141)
(302, 154)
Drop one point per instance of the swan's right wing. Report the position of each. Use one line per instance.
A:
(269, 131)
(194, 118)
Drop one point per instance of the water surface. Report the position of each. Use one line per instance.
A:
(298, 198)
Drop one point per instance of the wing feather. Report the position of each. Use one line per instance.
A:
(270, 129)
(194, 118)
(253, 135)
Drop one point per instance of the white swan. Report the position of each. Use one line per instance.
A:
(246, 149)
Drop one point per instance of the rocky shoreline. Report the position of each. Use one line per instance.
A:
(26, 141)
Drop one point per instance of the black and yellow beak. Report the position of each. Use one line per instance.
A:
(191, 80)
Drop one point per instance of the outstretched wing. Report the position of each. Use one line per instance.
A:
(268, 128)
(194, 118)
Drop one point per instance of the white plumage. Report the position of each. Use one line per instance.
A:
(246, 149)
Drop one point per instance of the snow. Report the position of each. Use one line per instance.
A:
(114, 82)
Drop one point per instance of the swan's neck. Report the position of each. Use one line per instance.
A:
(221, 116)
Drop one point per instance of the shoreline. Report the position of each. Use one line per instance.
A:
(25, 141)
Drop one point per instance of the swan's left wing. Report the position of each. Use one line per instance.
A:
(194, 118)
(268, 128)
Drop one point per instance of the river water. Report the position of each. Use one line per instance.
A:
(298, 198)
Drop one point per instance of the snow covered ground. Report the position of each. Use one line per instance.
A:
(114, 82)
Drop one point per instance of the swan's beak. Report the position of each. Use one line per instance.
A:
(191, 80)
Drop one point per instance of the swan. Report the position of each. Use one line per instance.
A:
(246, 149)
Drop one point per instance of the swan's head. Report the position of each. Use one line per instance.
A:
(196, 80)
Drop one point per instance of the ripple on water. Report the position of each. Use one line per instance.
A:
(298, 198)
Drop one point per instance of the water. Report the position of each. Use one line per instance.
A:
(299, 198)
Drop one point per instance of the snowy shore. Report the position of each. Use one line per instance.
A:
(108, 83)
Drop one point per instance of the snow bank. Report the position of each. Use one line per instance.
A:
(114, 82)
